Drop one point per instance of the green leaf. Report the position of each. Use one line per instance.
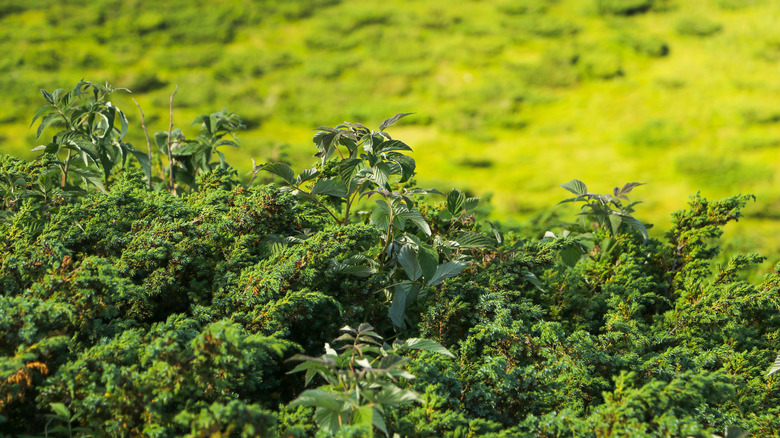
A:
(143, 160)
(455, 201)
(776, 366)
(534, 280)
(417, 219)
(404, 294)
(393, 395)
(570, 255)
(496, 233)
(467, 239)
(391, 121)
(447, 270)
(393, 145)
(378, 421)
(615, 221)
(407, 164)
(330, 420)
(61, 411)
(635, 224)
(576, 186)
(621, 193)
(50, 119)
(329, 186)
(363, 416)
(347, 268)
(471, 203)
(347, 169)
(307, 174)
(89, 177)
(320, 399)
(380, 174)
(425, 345)
(50, 148)
(46, 95)
(282, 170)
(408, 260)
(429, 260)
(381, 216)
(41, 112)
(189, 148)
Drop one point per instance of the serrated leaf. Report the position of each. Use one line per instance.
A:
(406, 162)
(378, 421)
(497, 233)
(363, 416)
(381, 216)
(471, 203)
(407, 258)
(307, 174)
(447, 270)
(89, 177)
(46, 95)
(455, 201)
(467, 239)
(351, 269)
(329, 186)
(143, 160)
(393, 145)
(775, 366)
(347, 170)
(60, 408)
(570, 255)
(416, 218)
(48, 120)
(425, 345)
(280, 169)
(534, 280)
(161, 140)
(615, 221)
(187, 149)
(41, 112)
(391, 121)
(380, 173)
(576, 186)
(404, 294)
(628, 187)
(429, 261)
(635, 224)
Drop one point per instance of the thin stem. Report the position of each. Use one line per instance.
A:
(254, 173)
(65, 169)
(148, 143)
(170, 155)
(350, 201)
(389, 236)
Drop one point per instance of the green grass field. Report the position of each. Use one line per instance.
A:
(511, 98)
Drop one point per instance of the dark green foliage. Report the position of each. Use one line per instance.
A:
(147, 381)
(134, 312)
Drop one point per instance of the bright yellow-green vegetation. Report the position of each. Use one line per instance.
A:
(513, 97)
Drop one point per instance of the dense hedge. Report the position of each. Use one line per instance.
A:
(142, 313)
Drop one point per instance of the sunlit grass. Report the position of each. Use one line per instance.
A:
(512, 98)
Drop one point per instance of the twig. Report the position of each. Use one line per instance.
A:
(254, 173)
(148, 143)
(170, 155)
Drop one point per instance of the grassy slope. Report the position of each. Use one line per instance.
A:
(513, 97)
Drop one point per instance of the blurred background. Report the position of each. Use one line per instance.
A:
(511, 97)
